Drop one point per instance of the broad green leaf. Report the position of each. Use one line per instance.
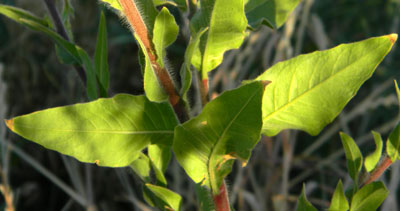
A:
(227, 129)
(164, 33)
(186, 74)
(369, 197)
(101, 57)
(272, 13)
(393, 144)
(164, 198)
(113, 4)
(353, 156)
(142, 167)
(160, 156)
(372, 160)
(339, 201)
(309, 91)
(109, 132)
(302, 203)
(91, 80)
(226, 22)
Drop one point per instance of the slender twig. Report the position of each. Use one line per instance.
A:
(55, 16)
(379, 170)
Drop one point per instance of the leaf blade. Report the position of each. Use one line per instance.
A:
(314, 88)
(339, 201)
(369, 197)
(302, 203)
(110, 132)
(353, 156)
(393, 144)
(372, 160)
(101, 57)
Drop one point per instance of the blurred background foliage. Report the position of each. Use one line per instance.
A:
(32, 79)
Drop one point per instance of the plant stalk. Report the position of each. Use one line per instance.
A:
(221, 200)
(379, 170)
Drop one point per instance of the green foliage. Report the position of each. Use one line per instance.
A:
(353, 156)
(309, 91)
(101, 57)
(339, 201)
(272, 13)
(226, 23)
(369, 198)
(163, 197)
(302, 203)
(372, 160)
(205, 146)
(393, 144)
(109, 132)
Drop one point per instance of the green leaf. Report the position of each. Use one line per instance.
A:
(372, 160)
(397, 92)
(142, 167)
(369, 197)
(164, 33)
(160, 156)
(186, 74)
(227, 129)
(164, 198)
(303, 204)
(353, 156)
(113, 4)
(309, 91)
(393, 144)
(339, 201)
(17, 14)
(226, 22)
(110, 132)
(272, 13)
(101, 57)
(91, 80)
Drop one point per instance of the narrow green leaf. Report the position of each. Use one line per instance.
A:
(17, 14)
(302, 203)
(353, 156)
(110, 132)
(113, 4)
(397, 92)
(309, 91)
(164, 33)
(339, 201)
(165, 198)
(372, 160)
(227, 129)
(393, 144)
(226, 22)
(272, 13)
(101, 57)
(186, 74)
(91, 80)
(160, 156)
(369, 197)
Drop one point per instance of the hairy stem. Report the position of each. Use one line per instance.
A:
(379, 170)
(221, 200)
(138, 25)
(55, 16)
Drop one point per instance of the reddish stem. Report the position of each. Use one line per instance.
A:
(221, 200)
(379, 170)
(204, 91)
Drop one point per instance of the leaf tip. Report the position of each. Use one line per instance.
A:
(10, 123)
(97, 162)
(392, 37)
(265, 83)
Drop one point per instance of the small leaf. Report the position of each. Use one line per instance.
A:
(393, 144)
(372, 160)
(160, 156)
(309, 91)
(165, 32)
(353, 156)
(302, 203)
(101, 57)
(113, 4)
(142, 167)
(339, 201)
(226, 22)
(228, 128)
(17, 14)
(369, 197)
(110, 132)
(272, 13)
(167, 199)
(91, 80)
(397, 92)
